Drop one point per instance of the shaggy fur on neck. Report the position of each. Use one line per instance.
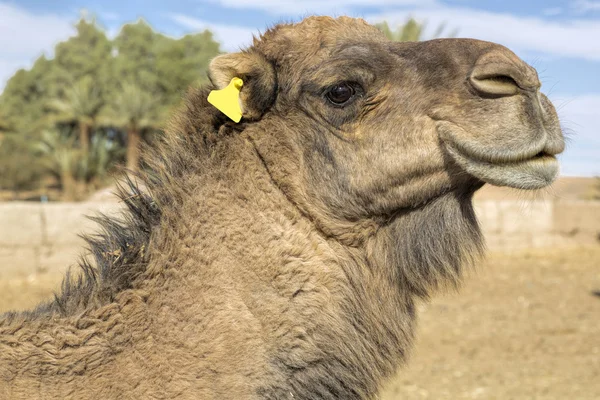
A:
(430, 246)
(118, 253)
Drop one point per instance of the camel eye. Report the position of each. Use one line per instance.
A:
(340, 93)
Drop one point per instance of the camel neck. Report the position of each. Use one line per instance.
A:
(242, 269)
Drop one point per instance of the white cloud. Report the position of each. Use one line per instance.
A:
(25, 36)
(24, 33)
(297, 7)
(574, 38)
(230, 36)
(579, 115)
(584, 6)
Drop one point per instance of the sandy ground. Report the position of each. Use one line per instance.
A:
(524, 326)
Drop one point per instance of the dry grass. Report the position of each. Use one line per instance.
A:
(525, 326)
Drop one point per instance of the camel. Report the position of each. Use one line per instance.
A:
(282, 257)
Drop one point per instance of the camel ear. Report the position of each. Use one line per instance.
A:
(260, 82)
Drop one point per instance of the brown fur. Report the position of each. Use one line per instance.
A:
(282, 257)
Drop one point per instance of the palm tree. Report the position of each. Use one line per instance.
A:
(134, 110)
(411, 31)
(81, 104)
(76, 171)
(61, 158)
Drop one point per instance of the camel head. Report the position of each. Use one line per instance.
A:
(364, 126)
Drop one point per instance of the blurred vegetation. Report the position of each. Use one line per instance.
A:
(71, 120)
(412, 31)
(19, 164)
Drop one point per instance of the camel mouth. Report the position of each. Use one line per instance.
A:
(534, 172)
(532, 165)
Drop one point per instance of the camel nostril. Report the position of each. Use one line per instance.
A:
(499, 73)
(494, 84)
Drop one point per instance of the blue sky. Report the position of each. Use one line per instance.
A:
(561, 38)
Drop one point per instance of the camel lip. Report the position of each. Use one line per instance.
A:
(530, 173)
(541, 156)
(533, 167)
(449, 133)
(517, 161)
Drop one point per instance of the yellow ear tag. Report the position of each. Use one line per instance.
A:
(228, 100)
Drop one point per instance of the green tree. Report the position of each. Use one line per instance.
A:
(136, 48)
(160, 64)
(60, 158)
(152, 72)
(88, 53)
(135, 111)
(183, 62)
(95, 86)
(77, 172)
(411, 31)
(5, 125)
(21, 169)
(25, 95)
(18, 165)
(80, 106)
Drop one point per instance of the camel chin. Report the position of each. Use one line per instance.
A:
(530, 174)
